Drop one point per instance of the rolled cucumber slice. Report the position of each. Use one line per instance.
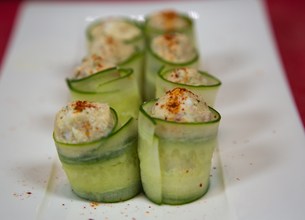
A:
(106, 170)
(175, 158)
(154, 64)
(115, 86)
(207, 92)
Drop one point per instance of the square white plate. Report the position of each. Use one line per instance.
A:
(257, 169)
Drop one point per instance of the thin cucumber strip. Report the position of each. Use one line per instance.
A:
(150, 166)
(106, 148)
(95, 82)
(184, 157)
(109, 172)
(121, 93)
(207, 92)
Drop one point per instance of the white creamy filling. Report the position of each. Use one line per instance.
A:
(186, 75)
(167, 20)
(115, 51)
(172, 47)
(92, 64)
(83, 121)
(181, 105)
(117, 28)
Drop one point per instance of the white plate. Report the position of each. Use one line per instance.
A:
(258, 168)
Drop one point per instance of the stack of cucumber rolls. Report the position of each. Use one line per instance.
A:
(96, 133)
(178, 125)
(141, 114)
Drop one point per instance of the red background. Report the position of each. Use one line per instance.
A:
(288, 25)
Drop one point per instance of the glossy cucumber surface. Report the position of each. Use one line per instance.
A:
(116, 86)
(109, 170)
(113, 179)
(175, 158)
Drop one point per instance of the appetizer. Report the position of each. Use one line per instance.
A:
(170, 50)
(201, 83)
(122, 28)
(168, 21)
(99, 158)
(177, 137)
(115, 86)
(120, 54)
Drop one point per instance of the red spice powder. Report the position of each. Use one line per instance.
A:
(169, 14)
(169, 17)
(173, 105)
(79, 106)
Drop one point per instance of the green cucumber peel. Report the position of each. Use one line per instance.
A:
(94, 83)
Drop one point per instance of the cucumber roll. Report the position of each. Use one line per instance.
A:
(199, 82)
(121, 54)
(99, 158)
(170, 50)
(124, 29)
(177, 137)
(169, 21)
(115, 86)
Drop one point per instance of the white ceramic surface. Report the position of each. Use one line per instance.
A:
(258, 167)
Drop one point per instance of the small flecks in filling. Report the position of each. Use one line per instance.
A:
(112, 49)
(181, 105)
(167, 20)
(116, 28)
(79, 106)
(92, 64)
(83, 121)
(186, 75)
(173, 47)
